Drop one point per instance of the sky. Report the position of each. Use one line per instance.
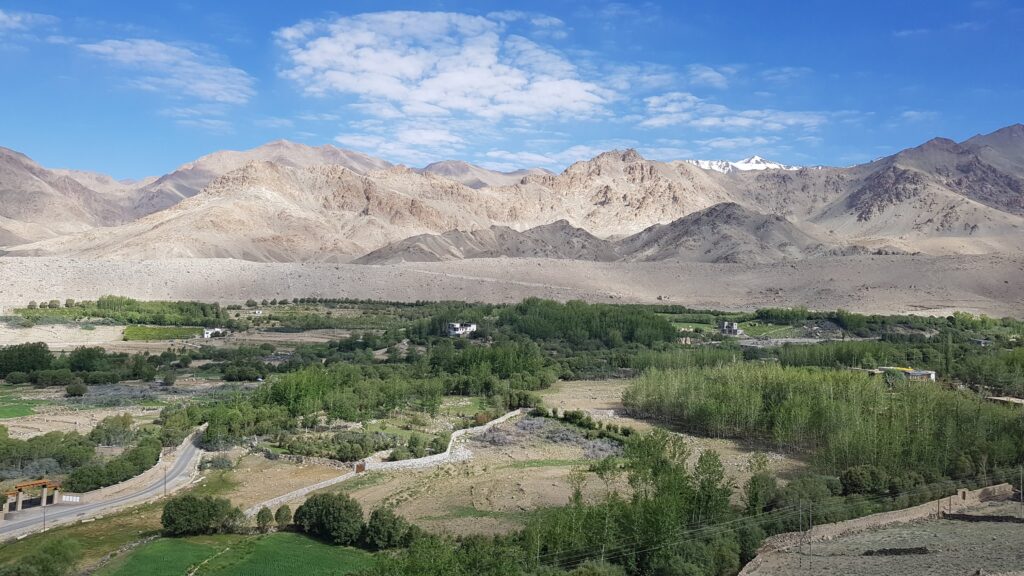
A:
(134, 89)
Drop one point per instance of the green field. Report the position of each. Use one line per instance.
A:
(137, 332)
(281, 554)
(13, 407)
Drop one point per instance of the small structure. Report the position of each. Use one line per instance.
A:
(911, 373)
(24, 496)
(1009, 400)
(731, 329)
(215, 332)
(983, 342)
(458, 329)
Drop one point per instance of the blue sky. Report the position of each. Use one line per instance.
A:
(136, 89)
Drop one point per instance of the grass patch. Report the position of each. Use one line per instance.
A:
(365, 481)
(97, 538)
(759, 329)
(13, 406)
(544, 463)
(138, 332)
(164, 557)
(458, 512)
(281, 554)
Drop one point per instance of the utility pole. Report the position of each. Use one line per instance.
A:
(1020, 490)
(165, 481)
(44, 517)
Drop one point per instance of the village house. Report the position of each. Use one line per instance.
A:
(457, 329)
(731, 329)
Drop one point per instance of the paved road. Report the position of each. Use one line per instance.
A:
(178, 474)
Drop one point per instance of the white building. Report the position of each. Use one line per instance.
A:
(731, 329)
(214, 332)
(460, 328)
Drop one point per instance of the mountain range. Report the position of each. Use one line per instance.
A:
(290, 202)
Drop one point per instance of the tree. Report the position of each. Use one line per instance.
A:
(250, 303)
(170, 378)
(336, 518)
(263, 519)
(69, 303)
(189, 515)
(32, 305)
(54, 303)
(25, 358)
(283, 517)
(87, 359)
(385, 529)
(76, 390)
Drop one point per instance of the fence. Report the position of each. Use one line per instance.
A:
(453, 453)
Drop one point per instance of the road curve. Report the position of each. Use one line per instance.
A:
(178, 474)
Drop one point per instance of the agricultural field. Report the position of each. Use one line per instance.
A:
(281, 554)
(139, 332)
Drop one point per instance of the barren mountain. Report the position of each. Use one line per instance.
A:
(724, 233)
(559, 240)
(290, 202)
(37, 203)
(190, 178)
(475, 176)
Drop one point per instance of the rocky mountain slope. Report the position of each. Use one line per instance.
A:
(190, 178)
(36, 203)
(290, 202)
(559, 240)
(475, 176)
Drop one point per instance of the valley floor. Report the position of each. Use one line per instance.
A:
(989, 284)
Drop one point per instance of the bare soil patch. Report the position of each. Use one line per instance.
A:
(62, 336)
(954, 548)
(256, 479)
(64, 419)
(514, 469)
(872, 284)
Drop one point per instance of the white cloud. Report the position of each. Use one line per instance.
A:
(214, 125)
(428, 63)
(176, 70)
(917, 115)
(701, 75)
(410, 142)
(555, 159)
(23, 21)
(685, 109)
(910, 32)
(274, 122)
(785, 74)
(738, 142)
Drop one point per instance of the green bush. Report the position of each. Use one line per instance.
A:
(190, 515)
(76, 390)
(864, 479)
(336, 518)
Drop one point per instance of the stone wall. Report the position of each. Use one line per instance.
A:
(455, 452)
(963, 500)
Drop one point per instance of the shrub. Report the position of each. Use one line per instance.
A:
(336, 518)
(263, 519)
(190, 515)
(864, 479)
(283, 517)
(385, 530)
(76, 390)
(17, 378)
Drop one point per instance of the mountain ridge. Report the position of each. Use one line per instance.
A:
(285, 201)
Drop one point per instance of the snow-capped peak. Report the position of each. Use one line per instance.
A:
(752, 163)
